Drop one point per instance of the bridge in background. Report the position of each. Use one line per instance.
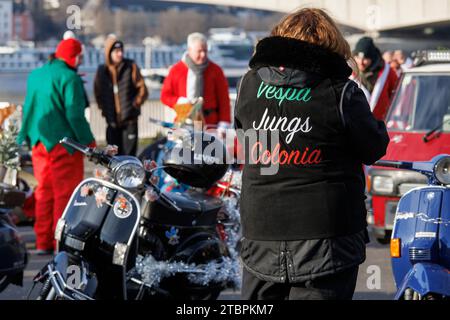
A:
(367, 15)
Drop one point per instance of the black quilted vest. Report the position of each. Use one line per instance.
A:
(126, 89)
(317, 190)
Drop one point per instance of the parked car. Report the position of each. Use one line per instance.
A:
(419, 128)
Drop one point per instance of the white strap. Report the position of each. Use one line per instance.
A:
(362, 87)
(379, 86)
(190, 85)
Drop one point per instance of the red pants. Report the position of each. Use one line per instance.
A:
(57, 173)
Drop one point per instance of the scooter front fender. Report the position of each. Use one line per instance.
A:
(61, 264)
(71, 278)
(426, 278)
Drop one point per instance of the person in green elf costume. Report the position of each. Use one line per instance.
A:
(53, 109)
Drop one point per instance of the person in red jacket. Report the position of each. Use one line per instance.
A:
(377, 79)
(196, 76)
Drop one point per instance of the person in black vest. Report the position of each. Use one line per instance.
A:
(120, 92)
(304, 227)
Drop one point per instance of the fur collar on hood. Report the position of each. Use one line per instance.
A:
(109, 43)
(292, 53)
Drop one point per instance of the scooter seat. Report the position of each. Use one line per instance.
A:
(10, 196)
(196, 209)
(206, 203)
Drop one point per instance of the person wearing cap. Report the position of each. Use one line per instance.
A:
(404, 62)
(53, 109)
(376, 78)
(120, 91)
(196, 76)
(69, 34)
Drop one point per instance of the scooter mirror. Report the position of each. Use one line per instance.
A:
(442, 171)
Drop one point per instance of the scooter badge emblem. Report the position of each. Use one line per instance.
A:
(122, 207)
(101, 196)
(86, 190)
(173, 236)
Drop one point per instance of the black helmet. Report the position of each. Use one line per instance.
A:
(198, 160)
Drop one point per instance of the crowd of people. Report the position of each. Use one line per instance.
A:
(304, 229)
(398, 60)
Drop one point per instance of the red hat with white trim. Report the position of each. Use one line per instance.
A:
(68, 50)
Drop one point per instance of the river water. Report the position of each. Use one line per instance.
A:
(13, 87)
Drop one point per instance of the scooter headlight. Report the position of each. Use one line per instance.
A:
(130, 174)
(442, 171)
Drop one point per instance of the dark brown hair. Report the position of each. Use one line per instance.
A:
(315, 26)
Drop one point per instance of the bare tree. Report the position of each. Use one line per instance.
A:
(134, 26)
(172, 25)
(222, 21)
(176, 25)
(255, 22)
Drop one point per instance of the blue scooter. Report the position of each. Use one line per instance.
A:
(420, 243)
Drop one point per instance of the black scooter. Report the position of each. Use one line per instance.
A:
(13, 253)
(125, 239)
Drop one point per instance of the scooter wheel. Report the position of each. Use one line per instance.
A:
(211, 295)
(4, 282)
(383, 241)
(386, 239)
(432, 296)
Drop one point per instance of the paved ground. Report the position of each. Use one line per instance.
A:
(377, 255)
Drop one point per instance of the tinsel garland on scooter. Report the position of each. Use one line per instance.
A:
(9, 149)
(152, 272)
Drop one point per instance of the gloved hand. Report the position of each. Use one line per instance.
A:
(111, 150)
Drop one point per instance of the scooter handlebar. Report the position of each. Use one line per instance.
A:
(164, 124)
(75, 145)
(91, 153)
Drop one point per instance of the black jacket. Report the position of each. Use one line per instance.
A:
(302, 260)
(319, 225)
(294, 90)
